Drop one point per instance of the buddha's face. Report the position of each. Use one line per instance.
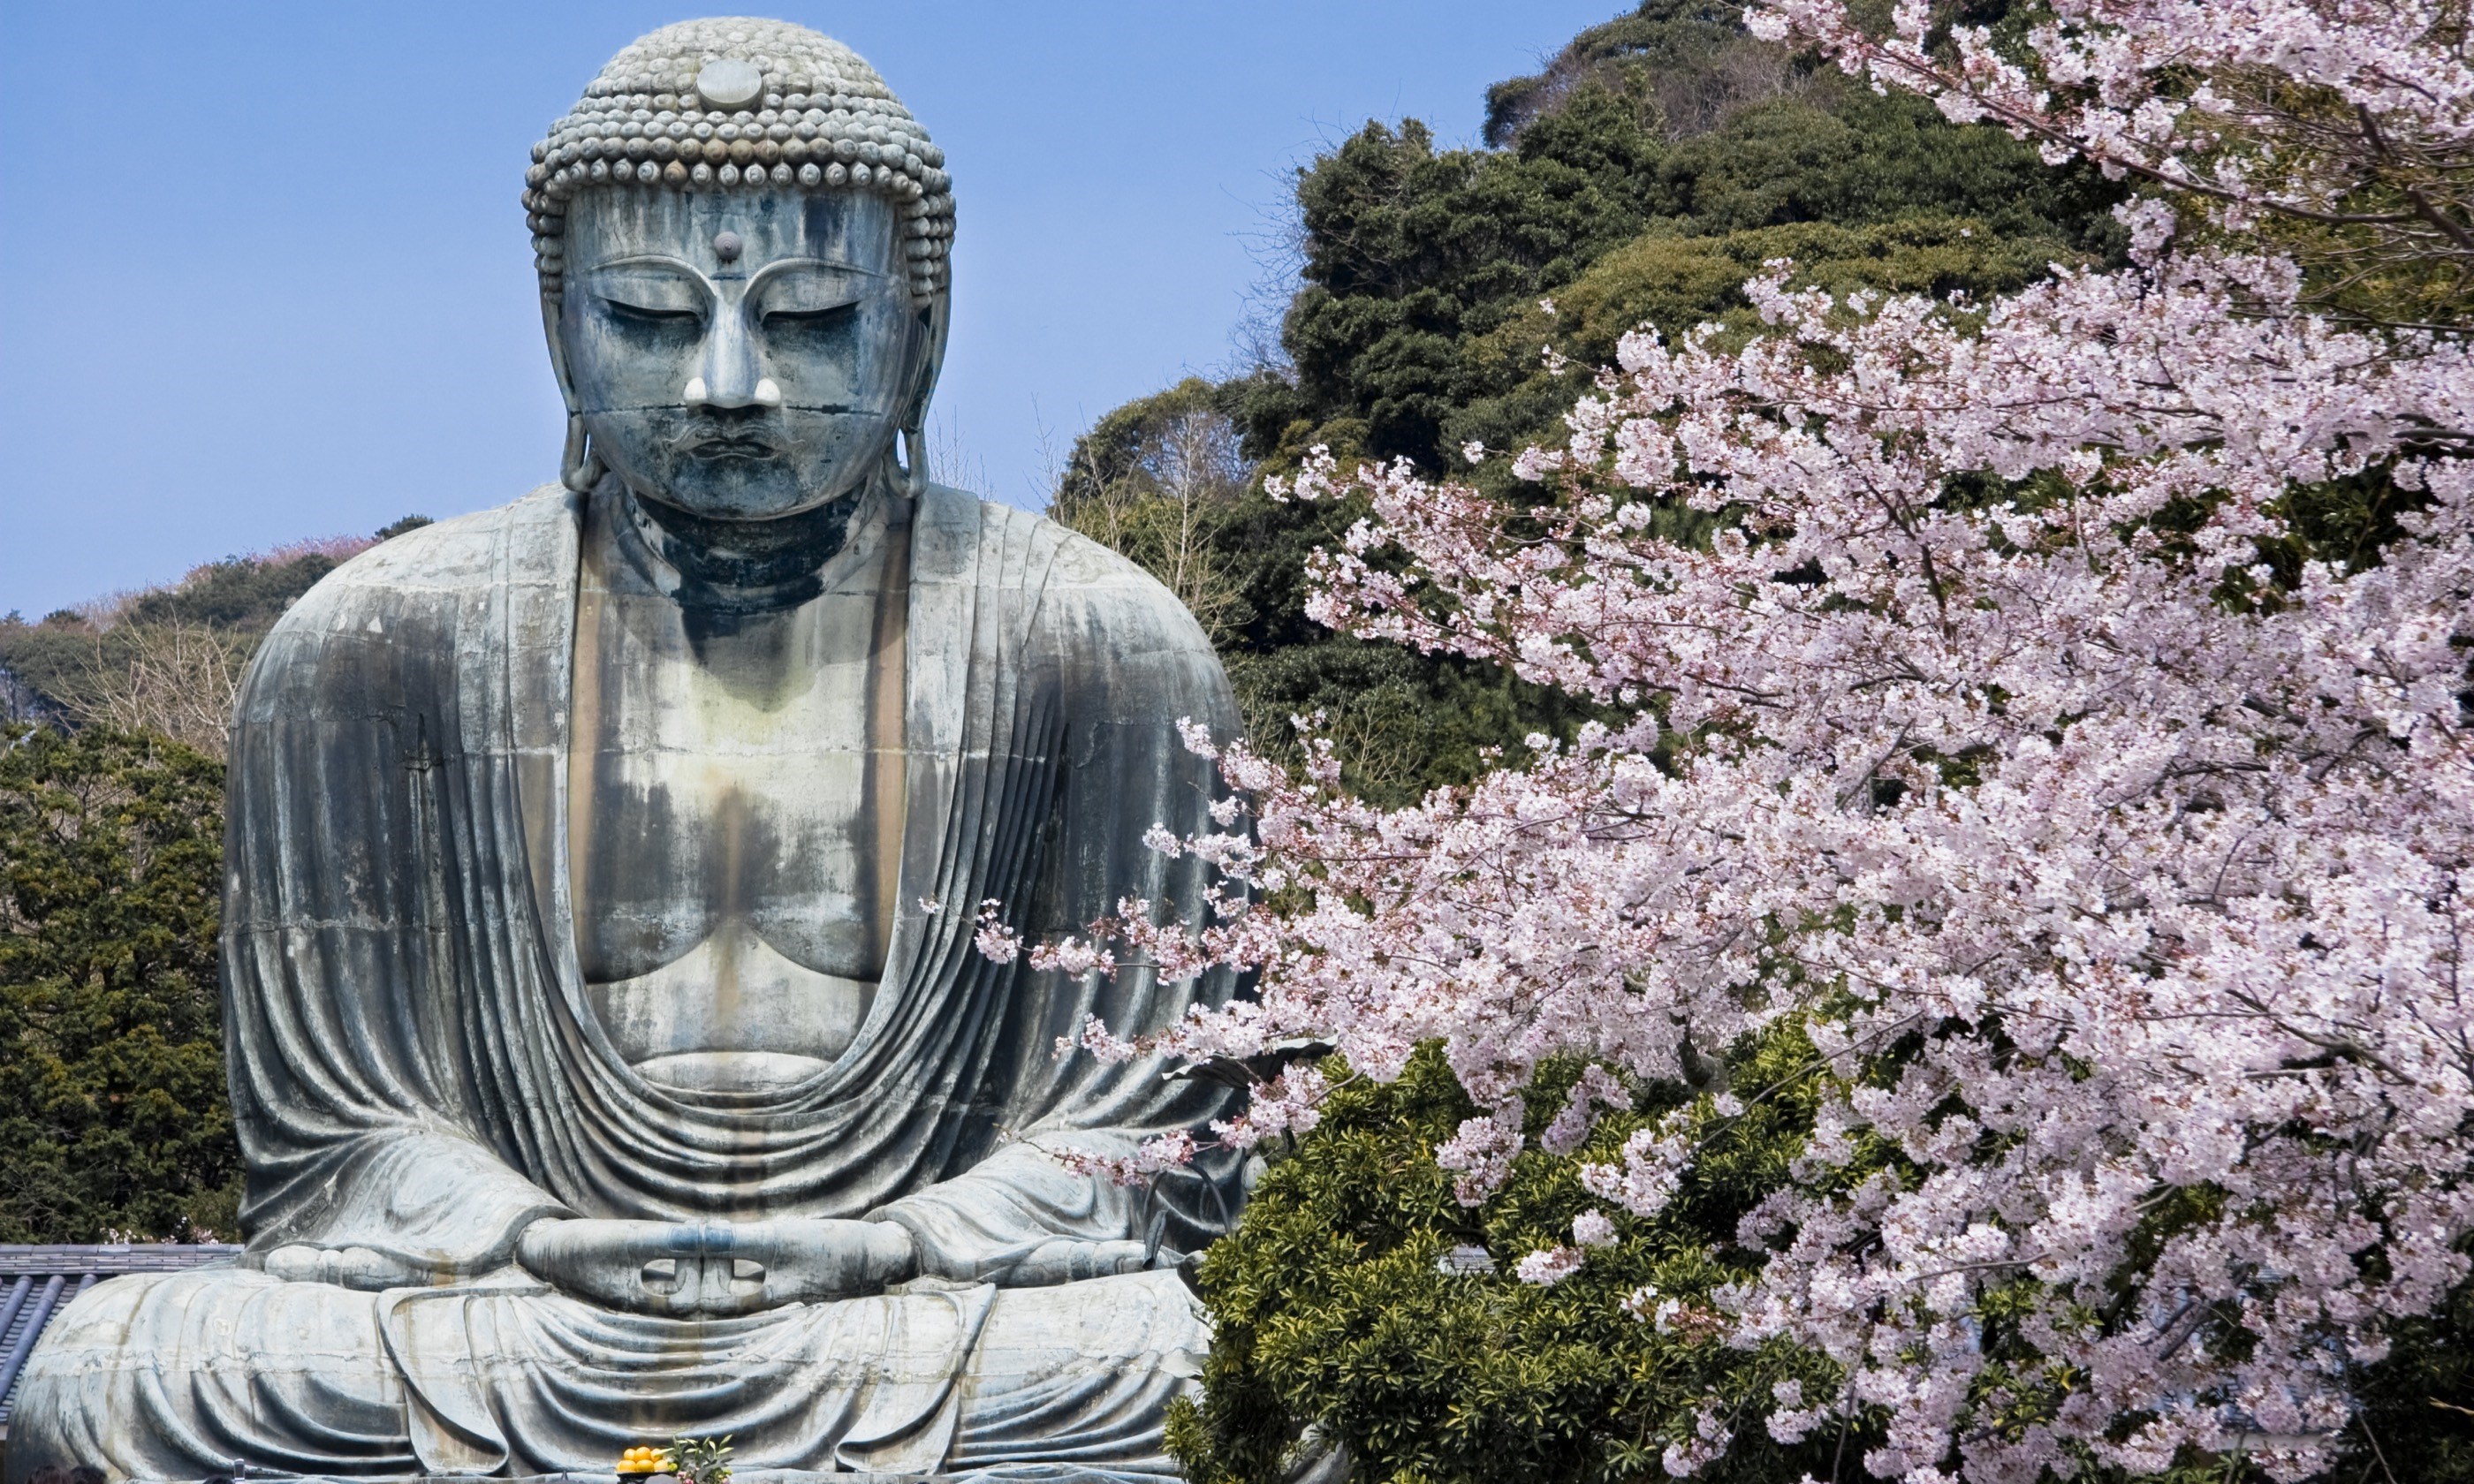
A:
(738, 356)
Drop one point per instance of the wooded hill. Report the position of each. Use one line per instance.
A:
(164, 660)
(1448, 297)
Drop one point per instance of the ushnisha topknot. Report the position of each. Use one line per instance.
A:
(736, 104)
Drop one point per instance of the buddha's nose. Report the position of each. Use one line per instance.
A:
(729, 374)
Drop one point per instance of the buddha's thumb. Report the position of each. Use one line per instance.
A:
(349, 1267)
(1069, 1261)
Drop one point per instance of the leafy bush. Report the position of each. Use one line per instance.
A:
(1340, 1306)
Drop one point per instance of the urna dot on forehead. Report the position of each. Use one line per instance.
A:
(736, 103)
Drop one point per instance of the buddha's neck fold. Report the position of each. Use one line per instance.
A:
(741, 565)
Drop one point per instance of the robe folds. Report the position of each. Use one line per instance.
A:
(417, 1072)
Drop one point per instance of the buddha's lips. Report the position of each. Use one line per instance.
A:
(732, 445)
(745, 441)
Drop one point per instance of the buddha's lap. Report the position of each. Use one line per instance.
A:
(241, 1356)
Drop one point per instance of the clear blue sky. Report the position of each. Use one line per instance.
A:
(262, 274)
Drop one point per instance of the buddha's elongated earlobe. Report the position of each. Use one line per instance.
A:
(927, 352)
(914, 468)
(580, 468)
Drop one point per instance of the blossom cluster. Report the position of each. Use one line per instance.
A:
(2170, 89)
(2119, 879)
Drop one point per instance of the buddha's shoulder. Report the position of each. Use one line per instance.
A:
(1074, 581)
(396, 621)
(432, 571)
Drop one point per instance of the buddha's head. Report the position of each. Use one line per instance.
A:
(742, 238)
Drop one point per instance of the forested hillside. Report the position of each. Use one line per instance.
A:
(164, 660)
(1451, 296)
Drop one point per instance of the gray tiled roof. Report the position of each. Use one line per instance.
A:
(37, 1283)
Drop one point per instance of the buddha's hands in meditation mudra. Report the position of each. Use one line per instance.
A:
(713, 1269)
(709, 1269)
(694, 1269)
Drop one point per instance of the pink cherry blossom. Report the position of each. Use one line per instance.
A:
(2121, 887)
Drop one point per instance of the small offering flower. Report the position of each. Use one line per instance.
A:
(701, 1460)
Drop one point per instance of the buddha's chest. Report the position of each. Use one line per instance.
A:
(734, 819)
(699, 807)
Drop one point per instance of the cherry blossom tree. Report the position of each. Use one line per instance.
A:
(2117, 876)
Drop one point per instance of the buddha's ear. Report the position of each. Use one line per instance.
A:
(551, 322)
(927, 352)
(927, 359)
(579, 468)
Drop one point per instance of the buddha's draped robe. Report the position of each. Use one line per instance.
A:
(417, 1072)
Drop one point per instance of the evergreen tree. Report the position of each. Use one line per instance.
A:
(1641, 178)
(117, 1122)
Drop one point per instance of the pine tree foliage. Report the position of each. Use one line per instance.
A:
(116, 1124)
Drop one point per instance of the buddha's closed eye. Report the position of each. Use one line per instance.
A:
(811, 331)
(651, 316)
(830, 314)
